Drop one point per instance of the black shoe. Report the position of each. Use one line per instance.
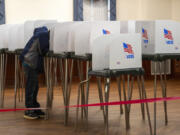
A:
(30, 115)
(40, 113)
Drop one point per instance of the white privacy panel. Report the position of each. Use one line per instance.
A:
(51, 28)
(82, 38)
(28, 31)
(62, 40)
(100, 52)
(117, 51)
(104, 28)
(16, 37)
(125, 51)
(89, 31)
(4, 30)
(159, 36)
(146, 28)
(72, 32)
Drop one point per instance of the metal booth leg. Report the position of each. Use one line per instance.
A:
(51, 82)
(130, 91)
(47, 83)
(145, 97)
(78, 101)
(55, 71)
(15, 90)
(2, 86)
(87, 92)
(19, 79)
(77, 109)
(141, 97)
(69, 86)
(1, 82)
(163, 86)
(125, 106)
(101, 96)
(155, 94)
(66, 87)
(22, 83)
(80, 72)
(106, 95)
(66, 91)
(120, 96)
(165, 92)
(4, 77)
(62, 78)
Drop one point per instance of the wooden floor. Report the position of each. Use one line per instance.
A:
(13, 123)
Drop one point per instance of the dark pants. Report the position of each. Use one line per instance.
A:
(31, 88)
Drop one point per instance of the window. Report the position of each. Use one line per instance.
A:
(94, 10)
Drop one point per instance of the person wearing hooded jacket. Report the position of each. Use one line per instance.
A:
(32, 61)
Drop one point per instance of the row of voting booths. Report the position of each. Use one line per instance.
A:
(110, 49)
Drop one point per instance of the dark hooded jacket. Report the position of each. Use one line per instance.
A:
(35, 49)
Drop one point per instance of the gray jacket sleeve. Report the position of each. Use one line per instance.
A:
(31, 57)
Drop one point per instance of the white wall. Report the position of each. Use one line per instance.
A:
(144, 9)
(18, 11)
(176, 10)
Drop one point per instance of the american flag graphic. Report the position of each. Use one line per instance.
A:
(128, 48)
(106, 32)
(144, 34)
(168, 34)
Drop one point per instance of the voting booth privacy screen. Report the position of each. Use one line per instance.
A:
(4, 34)
(125, 52)
(63, 40)
(87, 32)
(16, 37)
(160, 36)
(164, 36)
(117, 51)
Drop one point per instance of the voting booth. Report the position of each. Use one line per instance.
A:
(159, 36)
(87, 32)
(117, 51)
(160, 43)
(115, 56)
